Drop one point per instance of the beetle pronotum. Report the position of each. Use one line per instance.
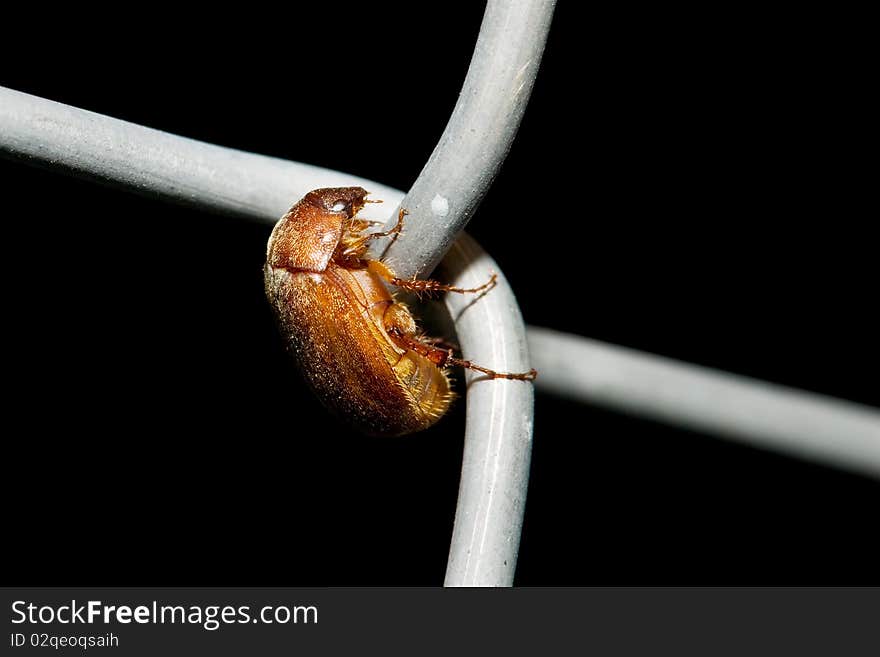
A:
(359, 349)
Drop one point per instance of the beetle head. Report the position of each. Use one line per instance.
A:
(347, 200)
(305, 237)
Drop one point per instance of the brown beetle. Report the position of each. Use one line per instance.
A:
(358, 347)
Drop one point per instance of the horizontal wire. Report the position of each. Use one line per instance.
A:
(154, 163)
(805, 425)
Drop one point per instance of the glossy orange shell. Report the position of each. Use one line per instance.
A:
(334, 317)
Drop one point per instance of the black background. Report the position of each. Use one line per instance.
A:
(684, 183)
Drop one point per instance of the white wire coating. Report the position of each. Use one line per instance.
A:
(147, 161)
(477, 137)
(498, 440)
(801, 424)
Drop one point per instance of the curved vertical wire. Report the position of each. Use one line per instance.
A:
(477, 137)
(498, 440)
(443, 198)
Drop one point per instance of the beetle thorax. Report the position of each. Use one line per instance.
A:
(310, 235)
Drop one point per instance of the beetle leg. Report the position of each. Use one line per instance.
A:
(444, 358)
(356, 247)
(359, 225)
(531, 375)
(439, 342)
(399, 321)
(393, 231)
(419, 286)
(434, 354)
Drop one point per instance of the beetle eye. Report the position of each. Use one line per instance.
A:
(339, 206)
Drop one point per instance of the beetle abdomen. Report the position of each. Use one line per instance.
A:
(333, 324)
(426, 384)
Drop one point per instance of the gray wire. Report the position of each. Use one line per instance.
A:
(804, 425)
(155, 163)
(498, 439)
(477, 137)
